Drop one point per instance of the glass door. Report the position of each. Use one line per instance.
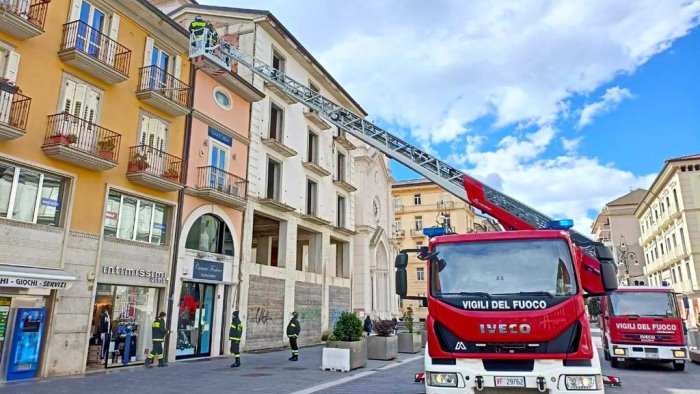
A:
(161, 61)
(89, 37)
(217, 177)
(195, 320)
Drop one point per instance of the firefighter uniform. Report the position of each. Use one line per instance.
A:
(158, 332)
(234, 335)
(199, 27)
(293, 330)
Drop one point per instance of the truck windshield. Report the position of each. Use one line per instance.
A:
(525, 267)
(643, 303)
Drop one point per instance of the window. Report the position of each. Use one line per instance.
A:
(153, 132)
(276, 122)
(683, 241)
(273, 179)
(210, 233)
(278, 61)
(662, 249)
(31, 196)
(673, 273)
(416, 199)
(673, 236)
(9, 63)
(222, 98)
(448, 223)
(680, 272)
(420, 274)
(341, 211)
(675, 199)
(136, 219)
(418, 222)
(312, 148)
(397, 202)
(81, 100)
(687, 271)
(397, 224)
(341, 167)
(311, 197)
(661, 206)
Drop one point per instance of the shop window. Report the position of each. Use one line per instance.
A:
(136, 219)
(31, 196)
(210, 234)
(194, 322)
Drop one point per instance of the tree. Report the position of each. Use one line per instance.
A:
(594, 306)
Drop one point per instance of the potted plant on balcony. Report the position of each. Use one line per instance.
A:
(138, 163)
(72, 138)
(172, 174)
(409, 342)
(384, 345)
(346, 349)
(105, 148)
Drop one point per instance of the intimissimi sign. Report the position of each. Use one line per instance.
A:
(152, 276)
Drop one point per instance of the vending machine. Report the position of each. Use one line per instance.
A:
(27, 339)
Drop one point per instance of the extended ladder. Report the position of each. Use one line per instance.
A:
(452, 180)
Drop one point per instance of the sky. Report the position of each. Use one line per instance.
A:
(563, 105)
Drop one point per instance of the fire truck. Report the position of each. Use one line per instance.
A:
(505, 309)
(643, 323)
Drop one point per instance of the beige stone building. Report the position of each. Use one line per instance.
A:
(669, 219)
(618, 228)
(417, 204)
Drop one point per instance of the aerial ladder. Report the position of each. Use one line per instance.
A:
(217, 56)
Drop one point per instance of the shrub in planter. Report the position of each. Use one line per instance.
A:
(347, 334)
(326, 336)
(105, 148)
(384, 345)
(409, 342)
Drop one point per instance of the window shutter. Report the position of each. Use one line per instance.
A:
(12, 66)
(152, 133)
(91, 104)
(78, 100)
(177, 69)
(74, 14)
(144, 130)
(68, 94)
(148, 53)
(114, 27)
(162, 131)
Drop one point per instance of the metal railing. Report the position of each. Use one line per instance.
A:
(80, 36)
(210, 177)
(146, 159)
(445, 204)
(77, 133)
(155, 79)
(14, 109)
(33, 11)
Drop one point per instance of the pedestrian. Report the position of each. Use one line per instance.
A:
(368, 325)
(293, 330)
(234, 335)
(159, 332)
(395, 323)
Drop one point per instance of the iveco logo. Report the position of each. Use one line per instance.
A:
(504, 328)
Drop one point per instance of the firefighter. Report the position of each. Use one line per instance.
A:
(234, 335)
(293, 330)
(197, 26)
(158, 333)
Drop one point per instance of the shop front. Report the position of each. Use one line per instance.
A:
(26, 296)
(127, 301)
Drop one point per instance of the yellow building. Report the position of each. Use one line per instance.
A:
(417, 205)
(91, 164)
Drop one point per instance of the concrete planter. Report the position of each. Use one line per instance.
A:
(382, 348)
(409, 342)
(358, 351)
(423, 337)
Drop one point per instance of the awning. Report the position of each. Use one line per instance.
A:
(34, 278)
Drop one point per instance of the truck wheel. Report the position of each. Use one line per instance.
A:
(614, 363)
(679, 367)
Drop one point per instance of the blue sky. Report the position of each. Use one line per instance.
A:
(562, 105)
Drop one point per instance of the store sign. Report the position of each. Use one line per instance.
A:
(4, 312)
(221, 137)
(29, 283)
(208, 270)
(153, 276)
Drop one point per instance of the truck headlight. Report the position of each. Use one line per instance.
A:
(441, 379)
(583, 382)
(619, 351)
(679, 353)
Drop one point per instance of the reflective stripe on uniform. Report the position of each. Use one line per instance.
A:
(292, 335)
(158, 340)
(234, 339)
(292, 324)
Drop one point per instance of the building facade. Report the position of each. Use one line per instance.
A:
(299, 222)
(89, 179)
(669, 220)
(618, 228)
(417, 205)
(373, 282)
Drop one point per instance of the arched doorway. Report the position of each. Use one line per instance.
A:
(381, 281)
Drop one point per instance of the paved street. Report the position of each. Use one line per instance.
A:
(272, 373)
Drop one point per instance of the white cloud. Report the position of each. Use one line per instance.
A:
(571, 145)
(607, 102)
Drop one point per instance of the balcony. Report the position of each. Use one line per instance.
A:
(276, 204)
(279, 147)
(445, 204)
(221, 187)
(163, 91)
(341, 227)
(399, 233)
(398, 208)
(417, 233)
(343, 184)
(316, 119)
(155, 169)
(14, 112)
(316, 168)
(343, 141)
(91, 51)
(23, 19)
(77, 141)
(314, 218)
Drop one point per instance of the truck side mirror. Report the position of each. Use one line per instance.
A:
(401, 263)
(608, 275)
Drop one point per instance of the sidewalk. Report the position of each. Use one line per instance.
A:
(260, 373)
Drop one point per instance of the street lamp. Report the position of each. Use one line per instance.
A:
(624, 256)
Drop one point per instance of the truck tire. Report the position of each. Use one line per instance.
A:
(679, 367)
(614, 363)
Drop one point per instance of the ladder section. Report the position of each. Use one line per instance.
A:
(432, 168)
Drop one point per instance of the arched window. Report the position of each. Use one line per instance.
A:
(210, 234)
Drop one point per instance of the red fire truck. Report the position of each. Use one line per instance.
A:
(643, 323)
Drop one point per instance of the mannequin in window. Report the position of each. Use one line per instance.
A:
(105, 326)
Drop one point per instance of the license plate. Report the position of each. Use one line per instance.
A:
(509, 381)
(652, 355)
